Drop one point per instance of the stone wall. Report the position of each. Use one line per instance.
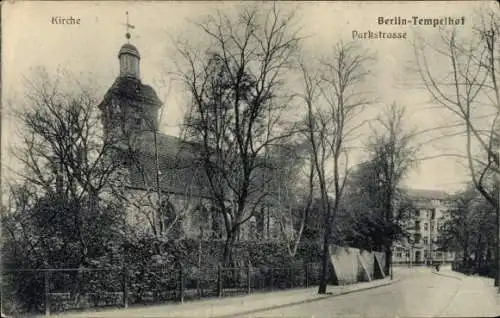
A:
(352, 265)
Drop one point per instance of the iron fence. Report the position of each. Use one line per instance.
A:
(59, 290)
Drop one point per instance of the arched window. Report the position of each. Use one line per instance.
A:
(167, 217)
(216, 225)
(200, 220)
(252, 228)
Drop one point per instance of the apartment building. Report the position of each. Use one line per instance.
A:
(424, 227)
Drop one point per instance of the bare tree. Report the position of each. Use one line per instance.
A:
(236, 86)
(334, 98)
(469, 90)
(392, 154)
(64, 157)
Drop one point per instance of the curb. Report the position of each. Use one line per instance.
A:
(306, 301)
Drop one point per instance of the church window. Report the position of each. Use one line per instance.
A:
(252, 229)
(216, 223)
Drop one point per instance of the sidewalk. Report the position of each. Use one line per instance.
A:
(228, 307)
(475, 297)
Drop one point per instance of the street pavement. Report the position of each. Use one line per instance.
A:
(420, 292)
(414, 292)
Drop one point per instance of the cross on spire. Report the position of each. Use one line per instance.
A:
(128, 26)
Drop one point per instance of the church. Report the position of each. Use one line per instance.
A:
(165, 188)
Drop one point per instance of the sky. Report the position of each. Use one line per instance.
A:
(89, 49)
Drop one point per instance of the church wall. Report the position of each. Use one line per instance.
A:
(191, 218)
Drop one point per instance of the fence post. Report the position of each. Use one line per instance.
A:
(249, 278)
(181, 281)
(292, 274)
(219, 280)
(125, 286)
(307, 275)
(46, 284)
(272, 278)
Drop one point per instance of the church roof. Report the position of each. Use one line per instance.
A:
(131, 89)
(180, 164)
(171, 148)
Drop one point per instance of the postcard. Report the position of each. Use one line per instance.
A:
(250, 159)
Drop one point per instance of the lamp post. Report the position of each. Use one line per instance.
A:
(410, 254)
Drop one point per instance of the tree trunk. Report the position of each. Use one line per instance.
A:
(388, 260)
(228, 247)
(326, 240)
(389, 220)
(497, 245)
(324, 263)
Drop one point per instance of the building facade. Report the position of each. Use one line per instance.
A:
(424, 229)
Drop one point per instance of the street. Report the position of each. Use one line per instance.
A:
(419, 293)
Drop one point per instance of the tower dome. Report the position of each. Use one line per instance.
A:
(128, 48)
(129, 61)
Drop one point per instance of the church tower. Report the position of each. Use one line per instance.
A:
(129, 106)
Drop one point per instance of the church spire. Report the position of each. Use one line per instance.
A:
(128, 26)
(129, 55)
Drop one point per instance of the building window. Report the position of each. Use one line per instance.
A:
(426, 240)
(426, 226)
(417, 225)
(417, 213)
(417, 238)
(398, 254)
